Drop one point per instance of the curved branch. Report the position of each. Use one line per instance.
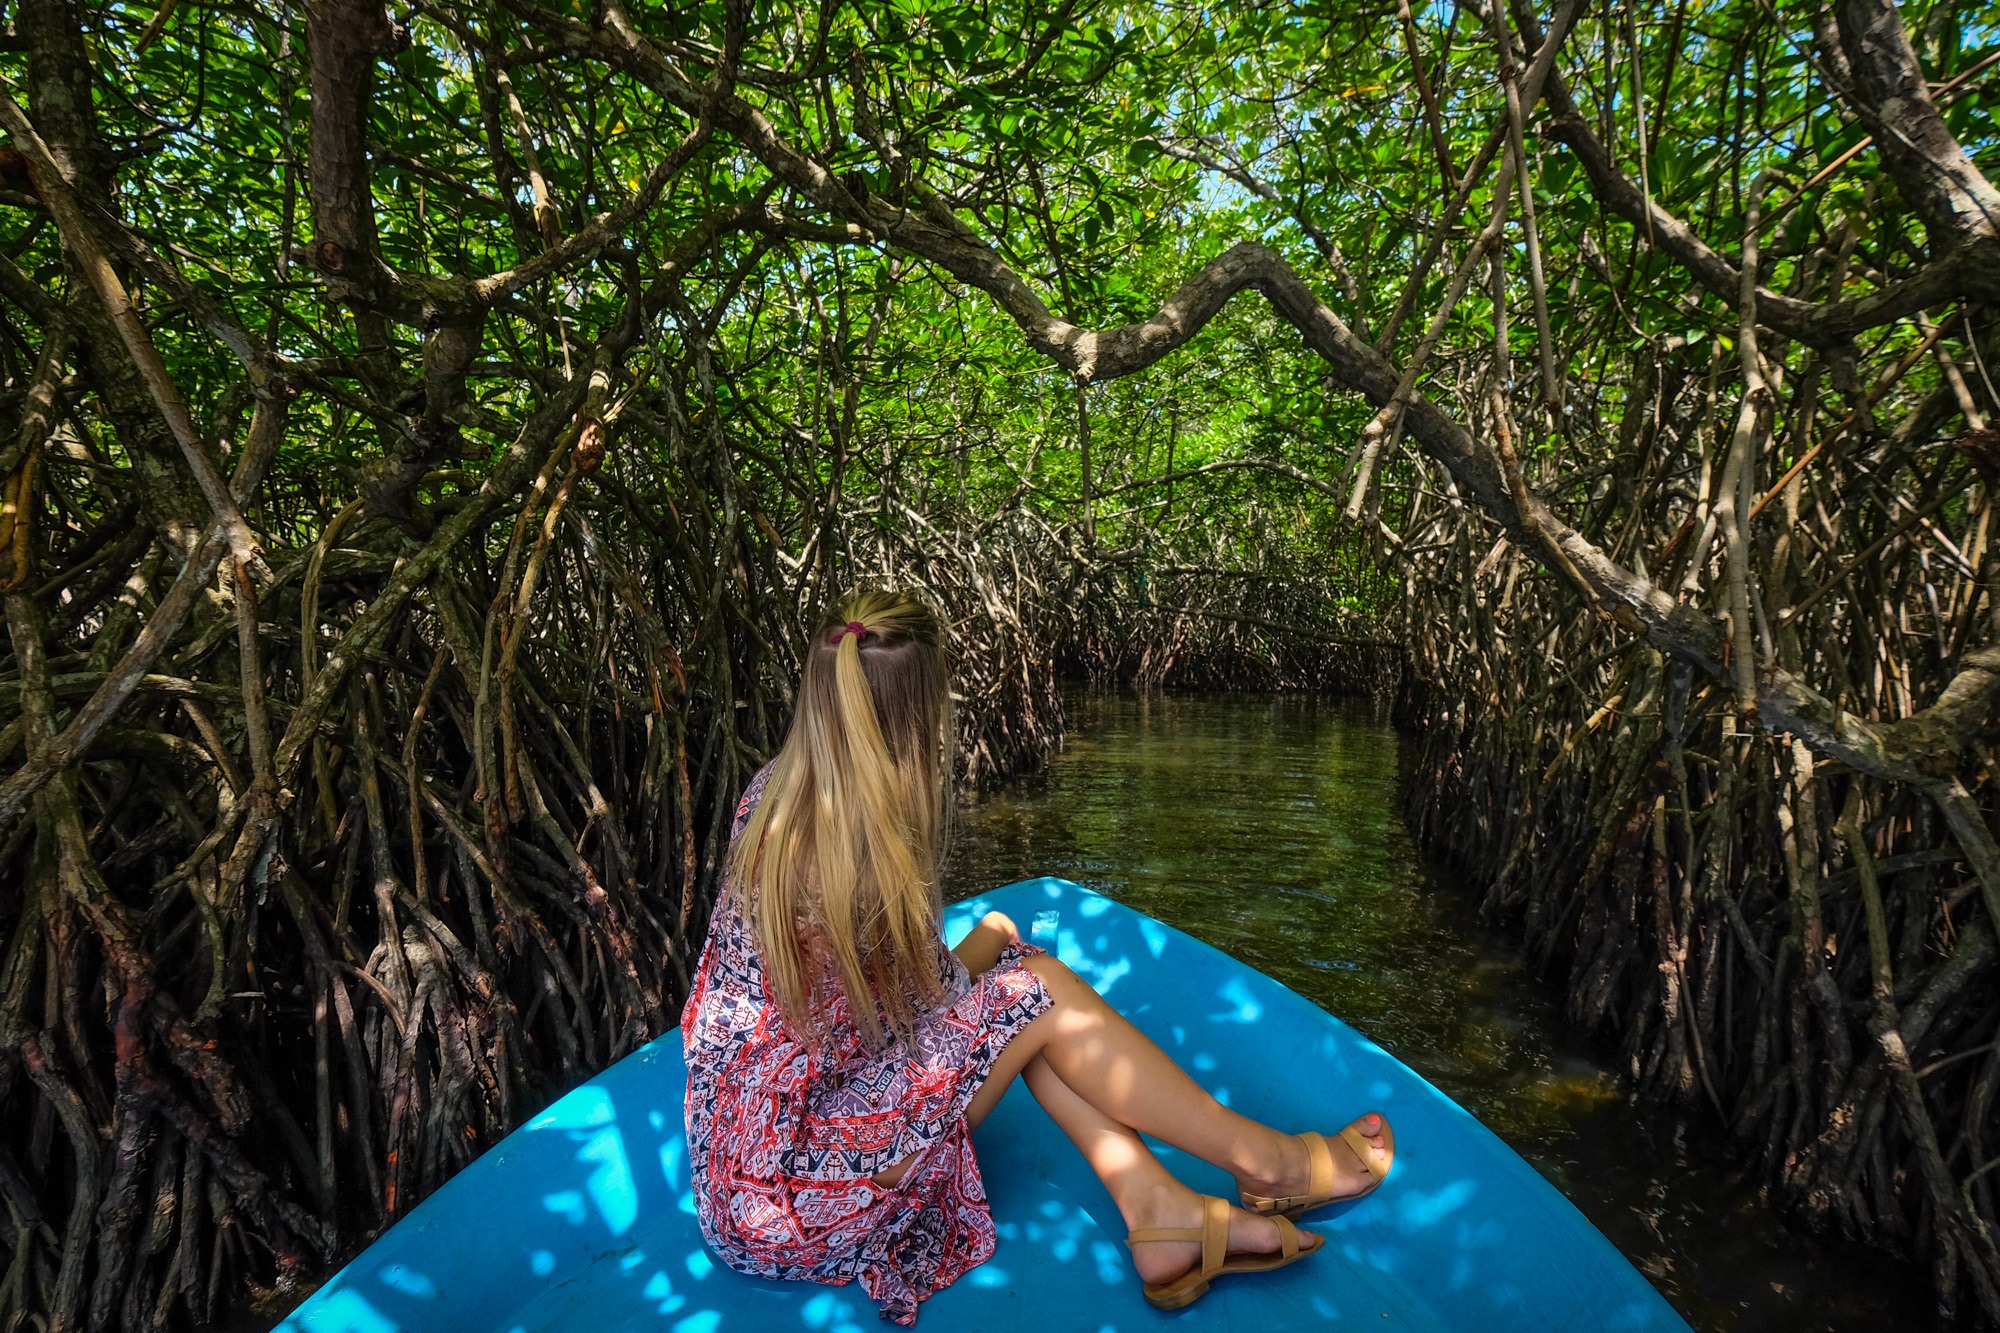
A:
(1912, 749)
(1214, 156)
(74, 741)
(1965, 269)
(926, 228)
(606, 226)
(80, 239)
(1893, 99)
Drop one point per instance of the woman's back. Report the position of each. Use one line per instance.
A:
(832, 1140)
(794, 1109)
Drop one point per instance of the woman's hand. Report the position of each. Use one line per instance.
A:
(981, 948)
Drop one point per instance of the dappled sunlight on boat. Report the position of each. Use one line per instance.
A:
(585, 1117)
(584, 1220)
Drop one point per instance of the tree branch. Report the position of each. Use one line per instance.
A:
(80, 239)
(924, 227)
(1891, 95)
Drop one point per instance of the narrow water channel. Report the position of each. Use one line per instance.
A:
(1270, 828)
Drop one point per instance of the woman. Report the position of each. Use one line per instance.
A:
(839, 1055)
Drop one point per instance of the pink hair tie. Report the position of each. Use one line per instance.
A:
(854, 627)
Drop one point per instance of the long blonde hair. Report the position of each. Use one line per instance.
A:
(837, 867)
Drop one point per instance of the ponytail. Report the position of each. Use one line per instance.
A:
(838, 865)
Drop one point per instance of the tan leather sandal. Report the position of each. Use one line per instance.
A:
(1216, 1260)
(1319, 1192)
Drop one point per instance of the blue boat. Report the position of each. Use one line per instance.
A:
(582, 1219)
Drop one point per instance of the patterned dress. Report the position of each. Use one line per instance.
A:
(784, 1136)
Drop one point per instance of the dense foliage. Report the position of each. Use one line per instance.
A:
(426, 431)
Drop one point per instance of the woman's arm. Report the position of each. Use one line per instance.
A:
(980, 949)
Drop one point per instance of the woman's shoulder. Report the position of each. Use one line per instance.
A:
(751, 795)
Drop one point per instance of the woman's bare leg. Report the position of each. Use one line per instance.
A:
(1147, 1195)
(1115, 1068)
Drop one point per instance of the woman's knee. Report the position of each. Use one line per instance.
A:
(1054, 974)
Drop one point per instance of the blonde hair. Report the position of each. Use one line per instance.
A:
(837, 867)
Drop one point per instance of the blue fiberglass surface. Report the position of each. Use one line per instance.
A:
(582, 1219)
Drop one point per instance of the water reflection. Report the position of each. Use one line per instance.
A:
(1270, 828)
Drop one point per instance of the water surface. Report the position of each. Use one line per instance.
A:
(1270, 828)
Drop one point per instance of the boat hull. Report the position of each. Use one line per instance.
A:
(583, 1220)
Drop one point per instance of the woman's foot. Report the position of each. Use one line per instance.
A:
(1165, 1260)
(1290, 1175)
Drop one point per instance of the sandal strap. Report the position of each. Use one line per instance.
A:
(1214, 1234)
(1363, 1152)
(1265, 1205)
(1319, 1180)
(1322, 1165)
(1163, 1233)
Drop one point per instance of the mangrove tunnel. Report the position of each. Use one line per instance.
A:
(428, 430)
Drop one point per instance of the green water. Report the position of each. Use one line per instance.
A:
(1270, 828)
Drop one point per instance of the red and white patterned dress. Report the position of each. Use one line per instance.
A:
(784, 1136)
